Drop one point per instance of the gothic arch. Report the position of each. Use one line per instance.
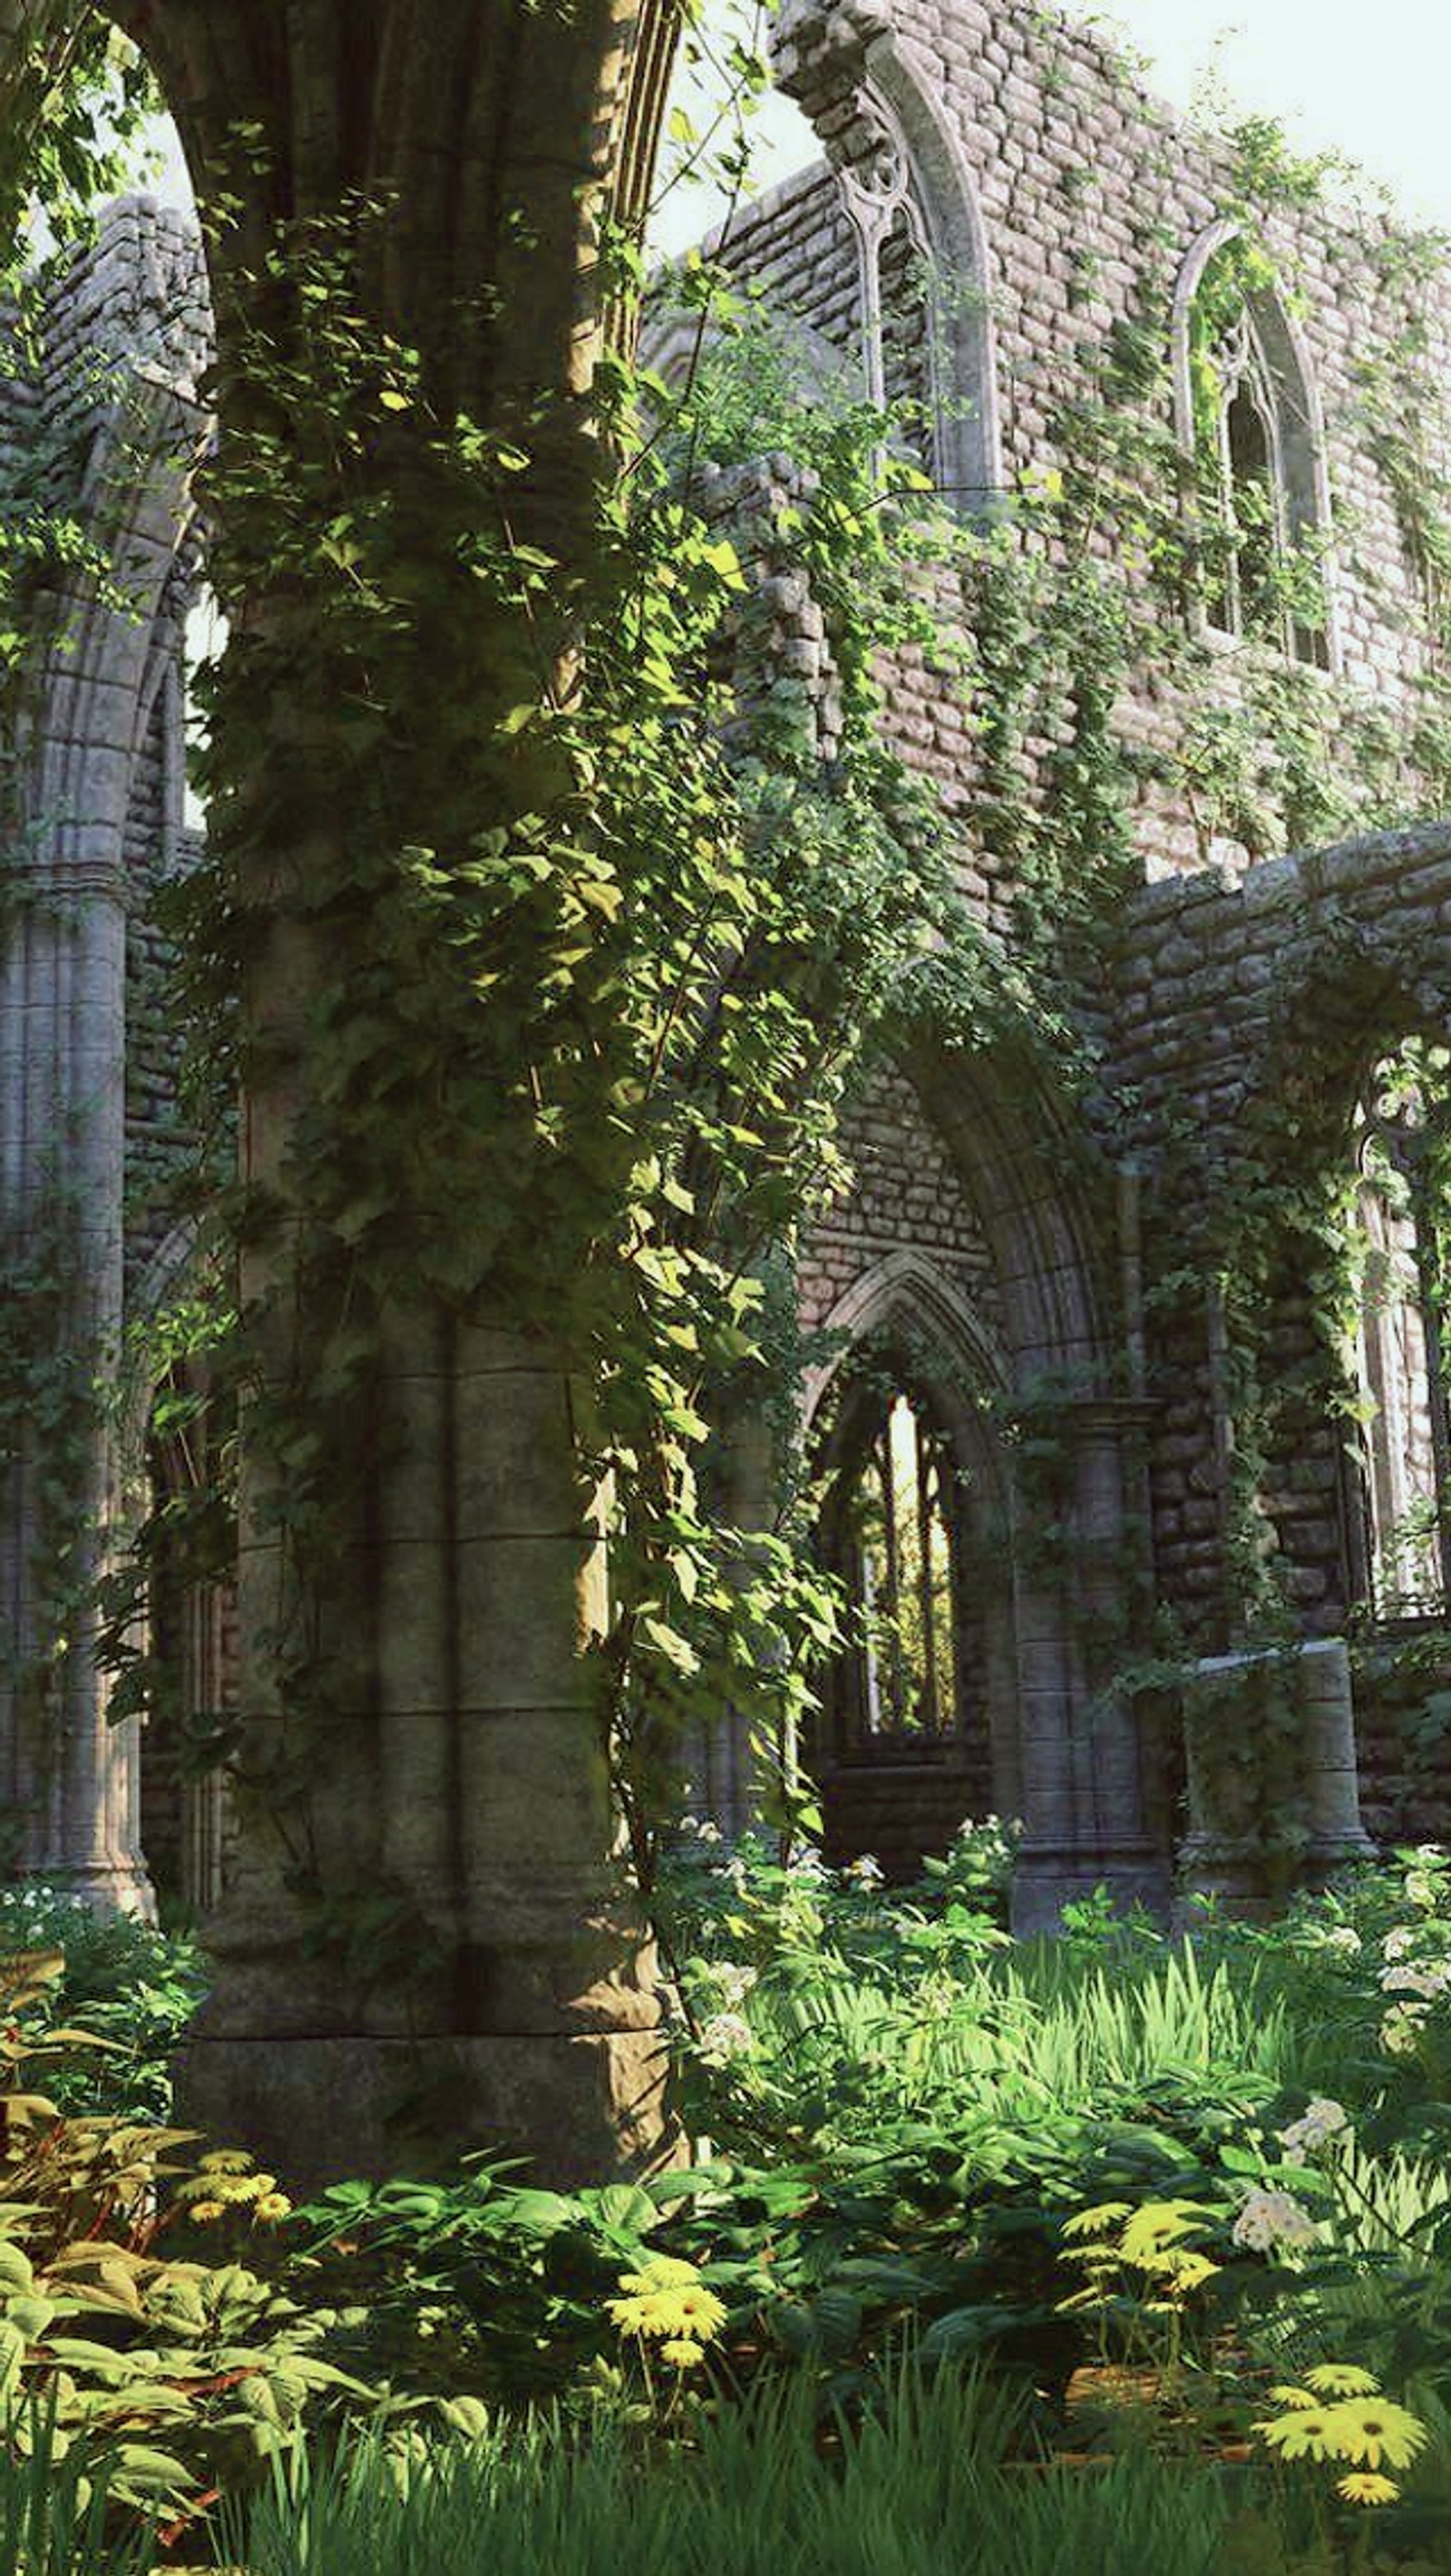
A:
(905, 1315)
(1027, 1173)
(897, 160)
(905, 1286)
(1277, 393)
(1371, 1387)
(969, 444)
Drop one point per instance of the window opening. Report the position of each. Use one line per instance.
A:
(1400, 1148)
(896, 1547)
(1249, 502)
(1247, 417)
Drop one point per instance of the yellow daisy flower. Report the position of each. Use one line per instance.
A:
(1158, 2224)
(204, 2211)
(1342, 2379)
(662, 2272)
(1301, 2436)
(1186, 2271)
(667, 2297)
(682, 2352)
(1294, 2397)
(1097, 2222)
(1362, 2486)
(1372, 2429)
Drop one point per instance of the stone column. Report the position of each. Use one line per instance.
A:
(69, 1778)
(1086, 1800)
(716, 1755)
(465, 1789)
(1270, 1740)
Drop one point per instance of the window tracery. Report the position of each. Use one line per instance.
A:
(893, 1529)
(923, 301)
(1248, 424)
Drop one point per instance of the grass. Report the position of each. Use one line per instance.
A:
(930, 2489)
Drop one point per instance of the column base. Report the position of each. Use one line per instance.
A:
(574, 2110)
(106, 1887)
(1047, 1876)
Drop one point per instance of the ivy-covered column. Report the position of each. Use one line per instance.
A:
(424, 1941)
(69, 1778)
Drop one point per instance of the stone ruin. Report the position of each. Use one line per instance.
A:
(1022, 1321)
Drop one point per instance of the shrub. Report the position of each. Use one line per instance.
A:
(167, 2375)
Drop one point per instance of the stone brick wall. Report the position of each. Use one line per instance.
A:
(1091, 198)
(1226, 980)
(1250, 1013)
(900, 1811)
(906, 1196)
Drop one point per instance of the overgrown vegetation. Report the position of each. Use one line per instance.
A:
(1025, 2239)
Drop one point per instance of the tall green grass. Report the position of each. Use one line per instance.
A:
(925, 2490)
(1038, 2026)
(54, 2517)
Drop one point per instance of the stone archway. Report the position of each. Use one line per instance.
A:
(900, 1791)
(1055, 1219)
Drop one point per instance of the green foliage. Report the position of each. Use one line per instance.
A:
(123, 1982)
(56, 2516)
(160, 2372)
(917, 2130)
(910, 2144)
(74, 96)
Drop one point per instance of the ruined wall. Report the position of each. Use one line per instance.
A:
(1085, 206)
(906, 1195)
(1250, 1014)
(1089, 199)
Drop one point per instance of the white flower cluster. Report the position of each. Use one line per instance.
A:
(808, 1863)
(724, 2036)
(731, 1981)
(702, 1828)
(1321, 2119)
(1270, 2218)
(865, 1871)
(1431, 1978)
(36, 1898)
(1401, 2029)
(1417, 1956)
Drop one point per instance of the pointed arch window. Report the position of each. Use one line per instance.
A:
(893, 1528)
(1401, 1143)
(923, 294)
(1249, 426)
(900, 1567)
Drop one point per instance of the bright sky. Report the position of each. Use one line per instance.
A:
(1371, 78)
